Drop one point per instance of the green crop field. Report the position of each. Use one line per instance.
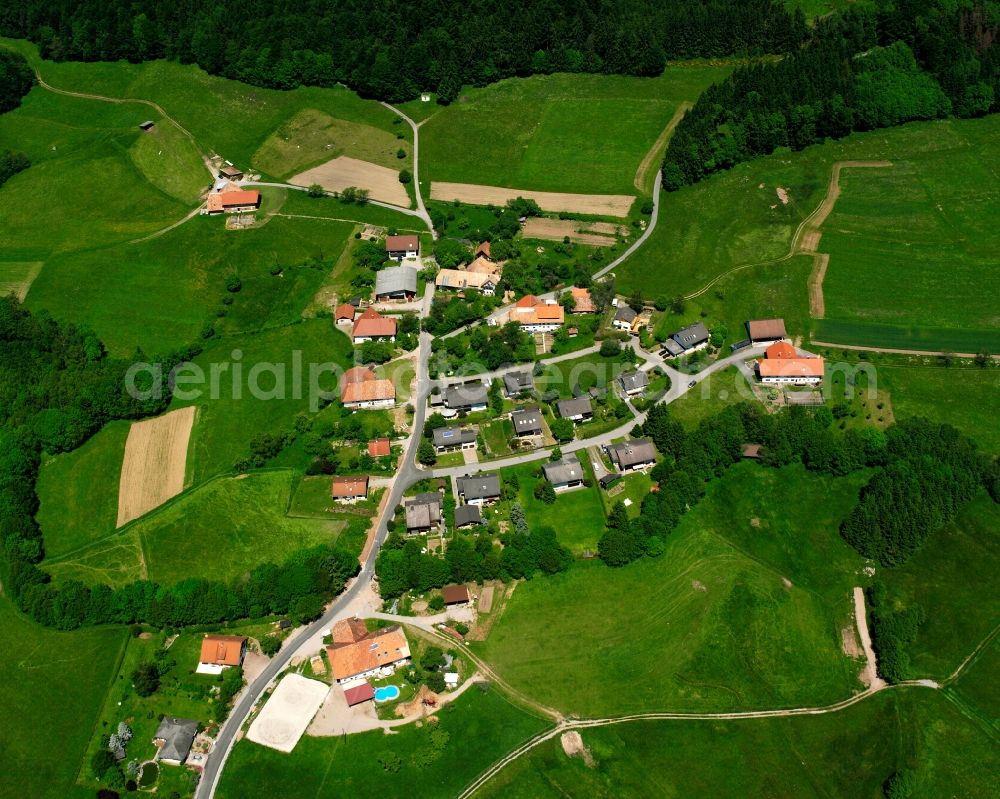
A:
(217, 531)
(480, 727)
(704, 627)
(52, 687)
(78, 491)
(979, 686)
(846, 754)
(569, 133)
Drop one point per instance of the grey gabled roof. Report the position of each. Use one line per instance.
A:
(177, 735)
(467, 514)
(453, 436)
(424, 510)
(673, 347)
(516, 382)
(633, 453)
(574, 407)
(692, 335)
(527, 420)
(624, 313)
(481, 486)
(394, 279)
(632, 381)
(466, 395)
(565, 470)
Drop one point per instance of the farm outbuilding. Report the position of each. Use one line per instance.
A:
(147, 125)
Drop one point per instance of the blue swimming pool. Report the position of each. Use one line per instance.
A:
(387, 693)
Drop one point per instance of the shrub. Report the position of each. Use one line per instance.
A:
(436, 603)
(233, 284)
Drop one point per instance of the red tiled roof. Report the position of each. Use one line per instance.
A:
(584, 302)
(368, 391)
(762, 329)
(528, 301)
(347, 631)
(453, 594)
(781, 349)
(483, 249)
(398, 243)
(382, 648)
(222, 650)
(379, 448)
(345, 311)
(790, 367)
(348, 487)
(359, 693)
(371, 324)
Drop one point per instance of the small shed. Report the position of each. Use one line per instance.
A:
(147, 125)
(455, 595)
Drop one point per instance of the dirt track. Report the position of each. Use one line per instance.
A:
(339, 173)
(558, 229)
(651, 159)
(474, 194)
(817, 308)
(20, 288)
(154, 462)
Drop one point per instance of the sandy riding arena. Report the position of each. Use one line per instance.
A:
(153, 464)
(597, 204)
(336, 175)
(288, 712)
(597, 234)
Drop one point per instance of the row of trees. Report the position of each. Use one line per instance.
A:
(864, 68)
(11, 163)
(393, 51)
(927, 472)
(16, 79)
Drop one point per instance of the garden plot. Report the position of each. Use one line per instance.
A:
(154, 463)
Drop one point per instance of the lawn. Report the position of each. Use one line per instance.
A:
(578, 375)
(709, 397)
(478, 729)
(569, 133)
(704, 627)
(52, 687)
(979, 686)
(576, 516)
(218, 531)
(78, 491)
(171, 162)
(846, 754)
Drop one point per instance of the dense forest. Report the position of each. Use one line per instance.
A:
(394, 51)
(926, 473)
(865, 68)
(16, 79)
(57, 388)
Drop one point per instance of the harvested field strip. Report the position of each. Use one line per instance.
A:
(817, 309)
(597, 234)
(336, 175)
(16, 277)
(154, 462)
(597, 204)
(644, 174)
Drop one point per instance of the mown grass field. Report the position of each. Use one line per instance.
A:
(704, 627)
(846, 754)
(481, 728)
(217, 531)
(570, 133)
(978, 684)
(577, 375)
(52, 687)
(171, 162)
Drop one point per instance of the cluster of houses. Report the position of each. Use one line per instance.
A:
(483, 274)
(360, 388)
(629, 320)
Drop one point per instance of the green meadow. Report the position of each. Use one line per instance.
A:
(478, 728)
(704, 627)
(569, 133)
(52, 687)
(216, 531)
(845, 754)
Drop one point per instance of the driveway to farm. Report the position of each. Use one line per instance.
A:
(421, 209)
(399, 208)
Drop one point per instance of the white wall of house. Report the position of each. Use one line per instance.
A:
(388, 403)
(792, 380)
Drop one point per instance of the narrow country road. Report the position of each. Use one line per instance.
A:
(421, 209)
(653, 219)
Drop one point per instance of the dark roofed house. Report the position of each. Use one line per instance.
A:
(527, 422)
(396, 283)
(609, 480)
(468, 516)
(480, 489)
(517, 383)
(634, 382)
(174, 738)
(447, 439)
(624, 317)
(761, 330)
(471, 396)
(565, 473)
(455, 595)
(693, 337)
(231, 172)
(422, 512)
(576, 410)
(400, 247)
(632, 455)
(671, 349)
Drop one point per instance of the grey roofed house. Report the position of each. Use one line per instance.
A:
(466, 396)
(480, 487)
(625, 313)
(565, 472)
(176, 735)
(633, 382)
(453, 436)
(578, 408)
(633, 454)
(395, 281)
(423, 511)
(527, 421)
(692, 335)
(466, 515)
(672, 348)
(518, 382)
